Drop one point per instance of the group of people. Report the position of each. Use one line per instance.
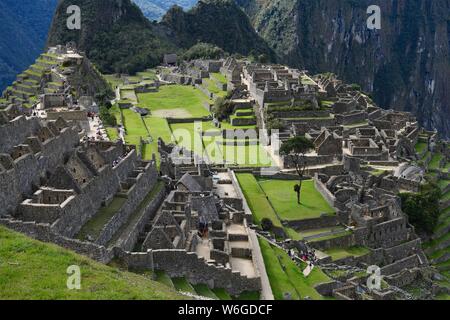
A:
(120, 158)
(307, 255)
(203, 228)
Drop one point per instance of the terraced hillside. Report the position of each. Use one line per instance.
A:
(437, 163)
(33, 81)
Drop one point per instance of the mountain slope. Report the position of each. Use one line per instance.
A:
(114, 34)
(24, 29)
(118, 38)
(406, 64)
(219, 22)
(155, 9)
(31, 269)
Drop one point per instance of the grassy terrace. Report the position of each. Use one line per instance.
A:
(31, 269)
(175, 101)
(182, 285)
(257, 200)
(283, 198)
(340, 253)
(212, 88)
(421, 147)
(435, 161)
(286, 277)
(219, 77)
(134, 127)
(283, 203)
(188, 136)
(94, 226)
(127, 227)
(203, 290)
(112, 133)
(158, 128)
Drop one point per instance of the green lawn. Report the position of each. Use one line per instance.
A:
(158, 128)
(286, 277)
(283, 198)
(31, 269)
(241, 156)
(135, 129)
(244, 156)
(187, 99)
(256, 199)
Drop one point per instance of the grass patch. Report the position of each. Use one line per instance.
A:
(286, 277)
(219, 77)
(283, 198)
(112, 133)
(138, 212)
(204, 291)
(421, 147)
(340, 253)
(163, 278)
(435, 161)
(187, 98)
(158, 128)
(95, 225)
(256, 199)
(182, 285)
(222, 294)
(31, 269)
(212, 88)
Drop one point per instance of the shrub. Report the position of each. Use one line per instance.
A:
(423, 208)
(106, 117)
(266, 224)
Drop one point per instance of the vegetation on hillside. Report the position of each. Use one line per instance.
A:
(31, 269)
(423, 208)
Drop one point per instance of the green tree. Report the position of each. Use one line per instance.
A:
(423, 208)
(297, 148)
(222, 108)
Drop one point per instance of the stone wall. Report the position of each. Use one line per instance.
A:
(27, 170)
(180, 263)
(43, 232)
(16, 131)
(129, 237)
(144, 182)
